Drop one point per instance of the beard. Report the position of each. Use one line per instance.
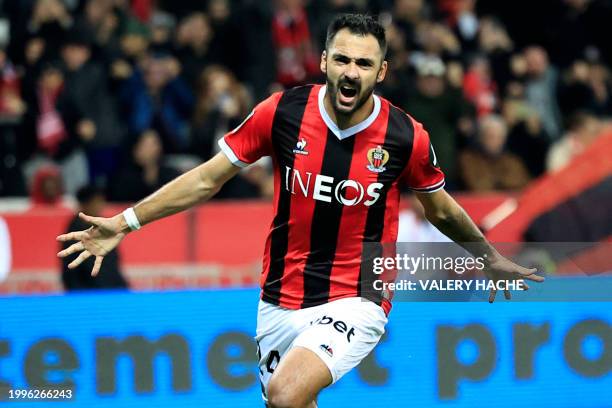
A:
(361, 96)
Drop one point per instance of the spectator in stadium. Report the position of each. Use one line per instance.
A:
(436, 39)
(583, 129)
(12, 108)
(50, 130)
(479, 87)
(11, 103)
(222, 103)
(526, 138)
(132, 55)
(575, 92)
(47, 186)
(440, 108)
(602, 89)
(88, 109)
(399, 74)
(408, 14)
(91, 201)
(49, 20)
(496, 44)
(47, 134)
(104, 22)
(541, 89)
(585, 87)
(461, 18)
(143, 173)
(573, 29)
(162, 27)
(134, 41)
(225, 37)
(155, 97)
(296, 60)
(488, 166)
(193, 38)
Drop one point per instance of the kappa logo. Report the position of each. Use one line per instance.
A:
(377, 157)
(327, 349)
(300, 147)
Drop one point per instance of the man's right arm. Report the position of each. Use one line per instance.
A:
(196, 186)
(187, 190)
(247, 143)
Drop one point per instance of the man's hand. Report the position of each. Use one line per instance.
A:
(444, 212)
(102, 237)
(504, 269)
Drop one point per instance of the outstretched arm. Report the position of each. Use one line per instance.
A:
(448, 216)
(187, 190)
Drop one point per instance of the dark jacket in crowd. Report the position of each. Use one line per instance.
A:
(86, 95)
(168, 114)
(440, 115)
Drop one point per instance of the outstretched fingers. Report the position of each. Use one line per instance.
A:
(507, 294)
(97, 265)
(71, 249)
(72, 236)
(492, 294)
(79, 260)
(530, 274)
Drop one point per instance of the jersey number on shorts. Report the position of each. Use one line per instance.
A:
(273, 359)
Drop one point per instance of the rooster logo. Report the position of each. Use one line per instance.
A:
(300, 147)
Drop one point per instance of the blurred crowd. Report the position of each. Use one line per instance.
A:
(127, 94)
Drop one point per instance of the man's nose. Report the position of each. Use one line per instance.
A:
(352, 72)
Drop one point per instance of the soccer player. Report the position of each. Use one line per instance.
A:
(339, 154)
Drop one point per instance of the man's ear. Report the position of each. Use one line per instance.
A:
(382, 72)
(323, 65)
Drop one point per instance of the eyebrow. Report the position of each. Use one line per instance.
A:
(359, 61)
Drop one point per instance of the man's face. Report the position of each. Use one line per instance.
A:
(75, 55)
(353, 65)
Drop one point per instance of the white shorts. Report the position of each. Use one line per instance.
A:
(341, 333)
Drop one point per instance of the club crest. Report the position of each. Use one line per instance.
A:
(377, 157)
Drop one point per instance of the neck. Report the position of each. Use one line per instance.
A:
(345, 121)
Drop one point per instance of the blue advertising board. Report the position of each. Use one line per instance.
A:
(195, 348)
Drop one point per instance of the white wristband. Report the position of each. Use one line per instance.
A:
(131, 219)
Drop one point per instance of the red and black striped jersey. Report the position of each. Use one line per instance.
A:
(336, 191)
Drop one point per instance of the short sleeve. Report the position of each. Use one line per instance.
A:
(423, 173)
(252, 139)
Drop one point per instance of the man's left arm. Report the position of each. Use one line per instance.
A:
(452, 220)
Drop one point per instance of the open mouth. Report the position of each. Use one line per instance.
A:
(347, 94)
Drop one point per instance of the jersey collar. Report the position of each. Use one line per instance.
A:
(344, 133)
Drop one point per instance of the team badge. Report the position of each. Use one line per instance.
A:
(377, 157)
(300, 147)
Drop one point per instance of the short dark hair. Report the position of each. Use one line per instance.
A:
(360, 24)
